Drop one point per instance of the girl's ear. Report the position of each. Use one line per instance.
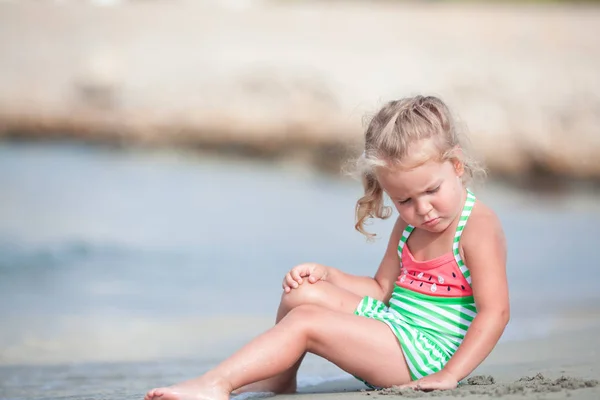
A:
(459, 167)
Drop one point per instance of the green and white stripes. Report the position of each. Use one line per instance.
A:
(405, 234)
(422, 354)
(464, 216)
(443, 320)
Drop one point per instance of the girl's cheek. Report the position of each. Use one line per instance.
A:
(407, 213)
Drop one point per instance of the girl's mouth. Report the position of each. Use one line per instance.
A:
(431, 222)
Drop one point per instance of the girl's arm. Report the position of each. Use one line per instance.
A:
(381, 286)
(484, 249)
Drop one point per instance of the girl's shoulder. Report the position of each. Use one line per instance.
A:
(483, 246)
(483, 224)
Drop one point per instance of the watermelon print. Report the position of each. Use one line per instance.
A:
(440, 274)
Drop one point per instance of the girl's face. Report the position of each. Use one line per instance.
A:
(429, 196)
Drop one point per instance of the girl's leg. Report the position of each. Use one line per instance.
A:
(360, 346)
(320, 293)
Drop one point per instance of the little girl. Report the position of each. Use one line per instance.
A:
(438, 303)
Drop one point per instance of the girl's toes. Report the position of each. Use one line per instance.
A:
(152, 393)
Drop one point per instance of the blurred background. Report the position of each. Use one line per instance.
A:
(164, 163)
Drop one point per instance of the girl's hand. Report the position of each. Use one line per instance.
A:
(310, 271)
(441, 380)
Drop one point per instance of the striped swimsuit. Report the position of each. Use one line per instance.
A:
(432, 304)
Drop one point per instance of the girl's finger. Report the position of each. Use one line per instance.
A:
(291, 282)
(411, 385)
(296, 276)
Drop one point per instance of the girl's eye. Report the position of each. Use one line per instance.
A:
(404, 201)
(432, 191)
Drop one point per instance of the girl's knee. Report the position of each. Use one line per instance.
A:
(305, 294)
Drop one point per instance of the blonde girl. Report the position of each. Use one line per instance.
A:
(436, 306)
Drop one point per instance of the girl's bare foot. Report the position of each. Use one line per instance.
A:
(190, 390)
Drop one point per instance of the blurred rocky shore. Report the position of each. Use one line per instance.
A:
(297, 80)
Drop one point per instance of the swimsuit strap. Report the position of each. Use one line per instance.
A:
(464, 216)
(405, 234)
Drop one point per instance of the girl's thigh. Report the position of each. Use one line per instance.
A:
(363, 347)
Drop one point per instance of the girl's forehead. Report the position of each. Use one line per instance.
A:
(401, 181)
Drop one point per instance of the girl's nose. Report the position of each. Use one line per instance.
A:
(423, 207)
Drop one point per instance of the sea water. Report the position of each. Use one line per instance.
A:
(121, 269)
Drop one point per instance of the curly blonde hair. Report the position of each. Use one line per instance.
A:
(397, 126)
